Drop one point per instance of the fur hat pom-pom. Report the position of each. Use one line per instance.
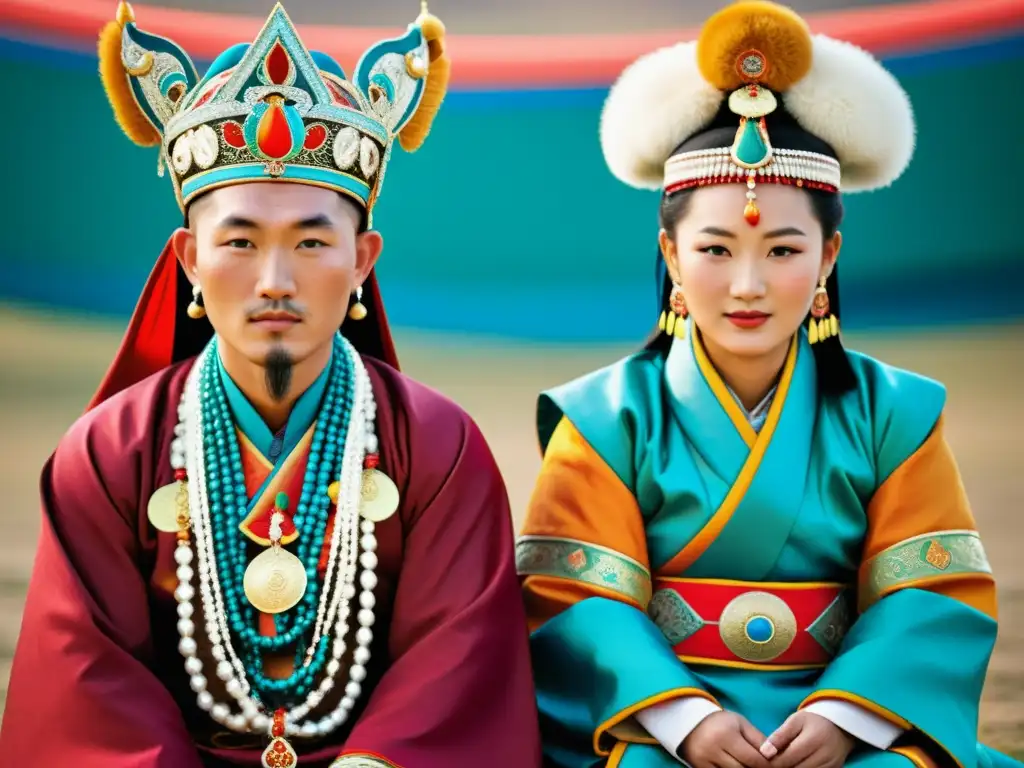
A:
(774, 31)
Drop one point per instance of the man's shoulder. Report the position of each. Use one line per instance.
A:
(412, 402)
(133, 408)
(431, 434)
(111, 451)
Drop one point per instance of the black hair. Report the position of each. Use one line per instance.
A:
(835, 374)
(277, 372)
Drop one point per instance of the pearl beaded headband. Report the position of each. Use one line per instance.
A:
(786, 166)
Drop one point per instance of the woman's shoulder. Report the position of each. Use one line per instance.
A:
(887, 389)
(607, 404)
(897, 407)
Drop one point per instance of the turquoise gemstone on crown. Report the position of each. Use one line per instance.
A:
(760, 629)
(751, 149)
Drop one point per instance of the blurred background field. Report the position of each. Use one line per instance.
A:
(513, 260)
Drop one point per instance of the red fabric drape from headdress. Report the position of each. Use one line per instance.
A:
(148, 344)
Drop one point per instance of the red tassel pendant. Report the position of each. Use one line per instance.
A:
(751, 213)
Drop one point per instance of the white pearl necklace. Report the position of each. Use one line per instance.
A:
(339, 579)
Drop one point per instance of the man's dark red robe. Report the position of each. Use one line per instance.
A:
(98, 681)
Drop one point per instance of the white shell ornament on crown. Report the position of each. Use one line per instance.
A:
(369, 157)
(181, 155)
(415, 65)
(752, 103)
(346, 148)
(205, 146)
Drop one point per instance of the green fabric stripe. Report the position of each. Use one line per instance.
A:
(831, 626)
(674, 616)
(931, 555)
(579, 561)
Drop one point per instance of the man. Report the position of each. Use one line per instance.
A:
(283, 551)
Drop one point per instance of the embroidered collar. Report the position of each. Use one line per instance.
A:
(675, 368)
(247, 419)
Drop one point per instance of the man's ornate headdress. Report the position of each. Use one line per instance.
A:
(269, 111)
(272, 109)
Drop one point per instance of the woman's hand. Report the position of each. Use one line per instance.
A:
(724, 740)
(807, 740)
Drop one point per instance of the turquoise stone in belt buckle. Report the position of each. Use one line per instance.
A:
(757, 626)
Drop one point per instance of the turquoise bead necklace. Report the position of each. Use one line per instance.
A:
(205, 450)
(229, 507)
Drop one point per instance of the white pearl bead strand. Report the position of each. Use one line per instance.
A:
(350, 535)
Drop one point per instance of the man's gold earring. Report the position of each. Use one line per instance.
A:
(358, 310)
(196, 308)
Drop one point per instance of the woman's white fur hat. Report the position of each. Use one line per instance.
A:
(835, 91)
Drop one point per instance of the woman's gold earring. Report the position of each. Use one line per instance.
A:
(358, 310)
(196, 308)
(823, 323)
(672, 320)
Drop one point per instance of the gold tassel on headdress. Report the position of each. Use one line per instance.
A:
(129, 116)
(412, 136)
(824, 324)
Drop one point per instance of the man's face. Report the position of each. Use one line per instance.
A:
(276, 263)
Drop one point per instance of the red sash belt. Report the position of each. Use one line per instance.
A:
(735, 623)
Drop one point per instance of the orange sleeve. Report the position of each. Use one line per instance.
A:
(922, 534)
(583, 535)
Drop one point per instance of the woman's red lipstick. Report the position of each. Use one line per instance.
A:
(748, 319)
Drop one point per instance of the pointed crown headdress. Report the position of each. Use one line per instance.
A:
(273, 110)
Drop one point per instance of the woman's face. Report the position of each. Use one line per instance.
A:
(748, 288)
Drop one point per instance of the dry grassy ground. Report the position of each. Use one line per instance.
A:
(52, 367)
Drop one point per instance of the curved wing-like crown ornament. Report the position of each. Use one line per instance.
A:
(273, 110)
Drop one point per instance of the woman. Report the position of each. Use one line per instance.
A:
(748, 546)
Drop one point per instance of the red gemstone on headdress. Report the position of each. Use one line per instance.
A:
(316, 135)
(339, 96)
(212, 88)
(751, 213)
(278, 64)
(204, 98)
(273, 134)
(233, 134)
